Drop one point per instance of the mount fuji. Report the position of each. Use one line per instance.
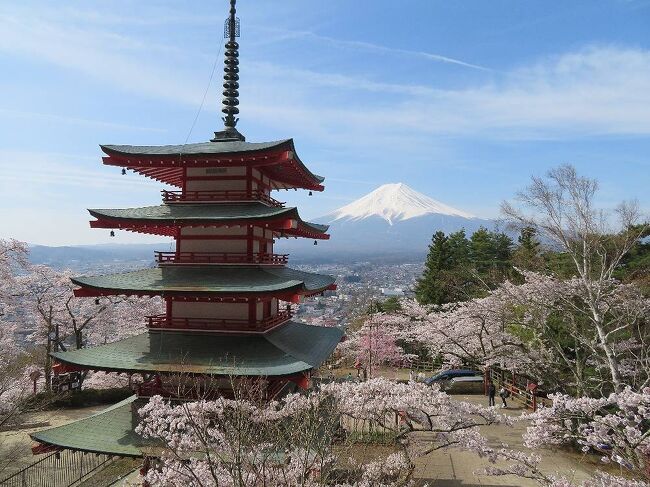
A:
(394, 219)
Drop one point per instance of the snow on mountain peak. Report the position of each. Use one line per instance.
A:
(395, 202)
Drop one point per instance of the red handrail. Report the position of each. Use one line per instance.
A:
(220, 196)
(215, 324)
(220, 258)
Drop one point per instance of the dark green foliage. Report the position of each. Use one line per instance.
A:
(635, 266)
(389, 305)
(458, 268)
(433, 287)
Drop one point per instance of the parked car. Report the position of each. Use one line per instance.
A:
(446, 375)
(466, 384)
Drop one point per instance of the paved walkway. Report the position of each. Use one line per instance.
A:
(456, 468)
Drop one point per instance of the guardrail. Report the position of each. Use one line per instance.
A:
(63, 468)
(220, 258)
(218, 196)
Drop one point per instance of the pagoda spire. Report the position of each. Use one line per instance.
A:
(230, 79)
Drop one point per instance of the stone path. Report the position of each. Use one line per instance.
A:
(455, 468)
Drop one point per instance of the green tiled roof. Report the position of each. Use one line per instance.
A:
(288, 349)
(201, 148)
(110, 431)
(209, 280)
(176, 214)
(207, 148)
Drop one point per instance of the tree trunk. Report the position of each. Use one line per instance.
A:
(611, 359)
(78, 338)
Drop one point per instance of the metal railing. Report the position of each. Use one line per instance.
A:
(220, 258)
(63, 468)
(218, 196)
(214, 324)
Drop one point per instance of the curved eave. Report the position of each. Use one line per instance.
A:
(222, 281)
(164, 219)
(290, 349)
(277, 160)
(111, 431)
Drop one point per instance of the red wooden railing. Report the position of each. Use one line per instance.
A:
(219, 196)
(220, 258)
(214, 324)
(521, 388)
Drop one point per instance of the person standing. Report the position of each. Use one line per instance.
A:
(492, 390)
(504, 393)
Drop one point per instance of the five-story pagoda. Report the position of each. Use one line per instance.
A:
(227, 293)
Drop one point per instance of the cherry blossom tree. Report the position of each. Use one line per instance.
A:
(557, 314)
(58, 321)
(562, 210)
(304, 439)
(14, 379)
(542, 328)
(374, 344)
(473, 332)
(615, 427)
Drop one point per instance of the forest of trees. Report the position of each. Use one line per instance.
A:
(459, 268)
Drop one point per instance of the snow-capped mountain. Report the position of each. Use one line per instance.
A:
(393, 219)
(395, 202)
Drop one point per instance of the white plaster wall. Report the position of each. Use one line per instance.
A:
(237, 246)
(188, 309)
(218, 185)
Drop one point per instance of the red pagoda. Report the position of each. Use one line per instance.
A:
(227, 293)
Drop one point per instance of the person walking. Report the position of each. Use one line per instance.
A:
(504, 394)
(492, 390)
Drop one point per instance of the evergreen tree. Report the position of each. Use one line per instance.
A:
(501, 255)
(430, 288)
(527, 254)
(458, 249)
(481, 251)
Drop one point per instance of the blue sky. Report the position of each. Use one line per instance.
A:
(463, 101)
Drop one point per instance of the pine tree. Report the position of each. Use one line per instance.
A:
(481, 250)
(430, 288)
(527, 254)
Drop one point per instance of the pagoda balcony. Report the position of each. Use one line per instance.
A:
(164, 322)
(220, 258)
(219, 197)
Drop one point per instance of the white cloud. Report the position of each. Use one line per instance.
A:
(369, 46)
(599, 90)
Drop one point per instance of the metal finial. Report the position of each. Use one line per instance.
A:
(230, 79)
